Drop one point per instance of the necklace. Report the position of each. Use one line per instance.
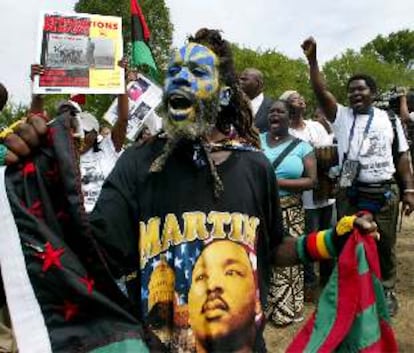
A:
(275, 140)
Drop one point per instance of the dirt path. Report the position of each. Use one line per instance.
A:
(278, 339)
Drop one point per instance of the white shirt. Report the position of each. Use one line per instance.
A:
(256, 102)
(315, 134)
(94, 168)
(412, 116)
(375, 152)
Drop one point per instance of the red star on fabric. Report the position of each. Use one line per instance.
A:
(70, 310)
(51, 257)
(28, 168)
(89, 282)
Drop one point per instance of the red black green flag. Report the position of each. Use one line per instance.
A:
(140, 35)
(60, 292)
(352, 314)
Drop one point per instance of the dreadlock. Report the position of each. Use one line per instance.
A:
(237, 112)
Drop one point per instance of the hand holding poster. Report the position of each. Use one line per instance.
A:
(143, 97)
(79, 53)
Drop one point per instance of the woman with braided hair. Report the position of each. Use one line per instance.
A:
(189, 219)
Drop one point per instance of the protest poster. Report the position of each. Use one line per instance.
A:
(143, 97)
(80, 54)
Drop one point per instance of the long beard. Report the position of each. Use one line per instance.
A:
(206, 113)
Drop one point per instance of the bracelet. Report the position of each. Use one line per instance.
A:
(3, 153)
(345, 225)
(300, 249)
(316, 246)
(9, 130)
(408, 191)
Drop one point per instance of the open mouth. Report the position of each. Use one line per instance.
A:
(356, 100)
(180, 106)
(179, 102)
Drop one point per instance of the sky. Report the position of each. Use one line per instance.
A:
(282, 25)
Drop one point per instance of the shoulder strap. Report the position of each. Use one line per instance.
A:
(289, 148)
(395, 143)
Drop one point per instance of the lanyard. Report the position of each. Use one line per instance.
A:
(366, 130)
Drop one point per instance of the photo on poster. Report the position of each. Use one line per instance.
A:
(65, 51)
(137, 117)
(138, 88)
(100, 53)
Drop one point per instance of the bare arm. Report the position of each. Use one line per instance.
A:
(307, 182)
(286, 253)
(326, 99)
(405, 172)
(119, 129)
(404, 113)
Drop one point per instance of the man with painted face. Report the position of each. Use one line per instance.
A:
(166, 204)
(365, 142)
(251, 82)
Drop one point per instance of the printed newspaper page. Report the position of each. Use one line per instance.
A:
(80, 54)
(143, 96)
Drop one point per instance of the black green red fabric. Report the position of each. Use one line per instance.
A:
(140, 35)
(63, 299)
(351, 315)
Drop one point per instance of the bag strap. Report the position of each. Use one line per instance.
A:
(289, 148)
(395, 142)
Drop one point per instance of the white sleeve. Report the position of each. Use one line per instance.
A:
(108, 147)
(341, 112)
(412, 116)
(324, 139)
(402, 140)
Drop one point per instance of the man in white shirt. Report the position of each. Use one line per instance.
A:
(251, 82)
(365, 147)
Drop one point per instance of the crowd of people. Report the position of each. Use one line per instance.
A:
(211, 226)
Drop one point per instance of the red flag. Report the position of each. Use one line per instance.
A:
(140, 30)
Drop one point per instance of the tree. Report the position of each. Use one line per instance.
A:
(397, 47)
(338, 70)
(158, 19)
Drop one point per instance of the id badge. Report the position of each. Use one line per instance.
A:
(350, 170)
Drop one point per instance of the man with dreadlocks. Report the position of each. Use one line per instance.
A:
(190, 220)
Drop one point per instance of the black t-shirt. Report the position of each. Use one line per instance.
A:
(201, 264)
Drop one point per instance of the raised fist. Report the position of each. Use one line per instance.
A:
(309, 48)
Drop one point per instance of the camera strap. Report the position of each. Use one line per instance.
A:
(364, 136)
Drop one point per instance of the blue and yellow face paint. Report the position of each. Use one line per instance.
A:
(192, 81)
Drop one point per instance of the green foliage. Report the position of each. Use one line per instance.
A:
(10, 113)
(280, 72)
(397, 47)
(338, 70)
(158, 20)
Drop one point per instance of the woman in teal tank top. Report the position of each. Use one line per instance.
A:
(295, 168)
